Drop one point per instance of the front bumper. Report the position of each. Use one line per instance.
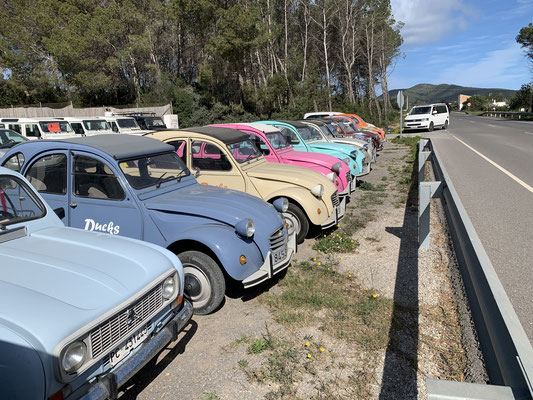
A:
(106, 387)
(337, 214)
(416, 125)
(269, 269)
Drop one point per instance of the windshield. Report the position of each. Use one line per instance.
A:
(326, 132)
(153, 170)
(96, 125)
(18, 203)
(154, 122)
(420, 110)
(9, 138)
(244, 151)
(309, 134)
(55, 127)
(128, 123)
(348, 128)
(277, 140)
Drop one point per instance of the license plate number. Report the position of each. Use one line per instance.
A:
(134, 341)
(280, 254)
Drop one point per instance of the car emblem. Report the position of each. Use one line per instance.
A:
(132, 317)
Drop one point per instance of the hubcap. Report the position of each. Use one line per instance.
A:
(197, 285)
(293, 221)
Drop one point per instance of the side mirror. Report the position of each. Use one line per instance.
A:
(60, 212)
(434, 112)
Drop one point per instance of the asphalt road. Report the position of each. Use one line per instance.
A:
(500, 207)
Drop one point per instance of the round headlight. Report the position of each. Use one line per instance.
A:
(169, 287)
(245, 227)
(281, 204)
(336, 167)
(332, 176)
(74, 356)
(318, 190)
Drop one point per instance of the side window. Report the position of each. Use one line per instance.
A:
(16, 128)
(289, 135)
(15, 162)
(114, 127)
(49, 174)
(208, 157)
(32, 130)
(94, 179)
(181, 149)
(78, 129)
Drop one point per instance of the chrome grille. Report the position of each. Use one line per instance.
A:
(348, 176)
(335, 199)
(278, 238)
(110, 333)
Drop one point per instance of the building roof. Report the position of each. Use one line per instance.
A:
(226, 135)
(120, 146)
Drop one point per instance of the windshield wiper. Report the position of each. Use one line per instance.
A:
(160, 180)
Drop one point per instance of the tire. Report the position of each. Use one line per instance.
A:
(204, 281)
(430, 128)
(295, 216)
(445, 125)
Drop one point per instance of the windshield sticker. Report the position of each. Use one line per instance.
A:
(54, 127)
(111, 228)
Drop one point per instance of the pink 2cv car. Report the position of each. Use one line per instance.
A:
(276, 149)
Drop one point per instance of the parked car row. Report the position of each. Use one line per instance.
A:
(164, 221)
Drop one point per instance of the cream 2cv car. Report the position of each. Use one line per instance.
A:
(228, 158)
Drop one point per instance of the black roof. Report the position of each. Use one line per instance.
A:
(120, 146)
(226, 135)
(296, 124)
(316, 121)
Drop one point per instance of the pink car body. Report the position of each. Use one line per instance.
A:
(275, 149)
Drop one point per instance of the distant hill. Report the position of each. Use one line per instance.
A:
(426, 93)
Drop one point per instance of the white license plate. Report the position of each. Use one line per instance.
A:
(134, 341)
(280, 255)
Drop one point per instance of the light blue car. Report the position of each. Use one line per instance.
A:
(138, 187)
(80, 311)
(303, 138)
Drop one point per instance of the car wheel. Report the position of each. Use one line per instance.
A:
(204, 281)
(430, 128)
(297, 220)
(445, 125)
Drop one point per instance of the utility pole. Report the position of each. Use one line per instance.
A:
(400, 99)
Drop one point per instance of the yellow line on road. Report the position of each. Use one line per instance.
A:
(518, 180)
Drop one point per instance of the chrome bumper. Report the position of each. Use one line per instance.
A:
(106, 387)
(268, 269)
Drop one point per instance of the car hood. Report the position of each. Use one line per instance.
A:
(293, 174)
(341, 148)
(66, 278)
(307, 157)
(417, 116)
(218, 204)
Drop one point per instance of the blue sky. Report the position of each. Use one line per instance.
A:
(467, 43)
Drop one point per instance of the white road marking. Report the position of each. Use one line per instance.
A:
(517, 180)
(528, 133)
(494, 126)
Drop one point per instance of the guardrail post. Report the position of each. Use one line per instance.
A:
(426, 190)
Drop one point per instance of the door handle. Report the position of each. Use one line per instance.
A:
(73, 204)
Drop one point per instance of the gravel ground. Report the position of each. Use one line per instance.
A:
(424, 340)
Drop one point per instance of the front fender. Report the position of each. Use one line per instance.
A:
(309, 203)
(227, 246)
(21, 368)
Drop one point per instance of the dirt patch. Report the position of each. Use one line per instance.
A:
(360, 314)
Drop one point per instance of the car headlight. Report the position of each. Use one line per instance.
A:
(332, 176)
(281, 204)
(169, 287)
(336, 167)
(318, 190)
(245, 227)
(425, 119)
(74, 356)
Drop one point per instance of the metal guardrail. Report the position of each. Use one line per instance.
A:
(506, 348)
(507, 114)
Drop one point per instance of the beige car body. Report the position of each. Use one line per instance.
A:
(268, 181)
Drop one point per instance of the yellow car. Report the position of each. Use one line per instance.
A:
(228, 158)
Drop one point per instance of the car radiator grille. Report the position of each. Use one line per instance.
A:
(278, 238)
(110, 333)
(335, 199)
(348, 176)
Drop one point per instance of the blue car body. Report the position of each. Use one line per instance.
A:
(61, 286)
(353, 157)
(179, 214)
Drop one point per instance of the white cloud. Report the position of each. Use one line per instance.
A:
(503, 68)
(429, 21)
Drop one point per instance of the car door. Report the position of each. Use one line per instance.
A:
(99, 201)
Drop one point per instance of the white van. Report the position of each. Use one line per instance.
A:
(40, 128)
(124, 125)
(428, 117)
(88, 126)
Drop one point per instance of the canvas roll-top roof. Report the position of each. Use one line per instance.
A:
(225, 135)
